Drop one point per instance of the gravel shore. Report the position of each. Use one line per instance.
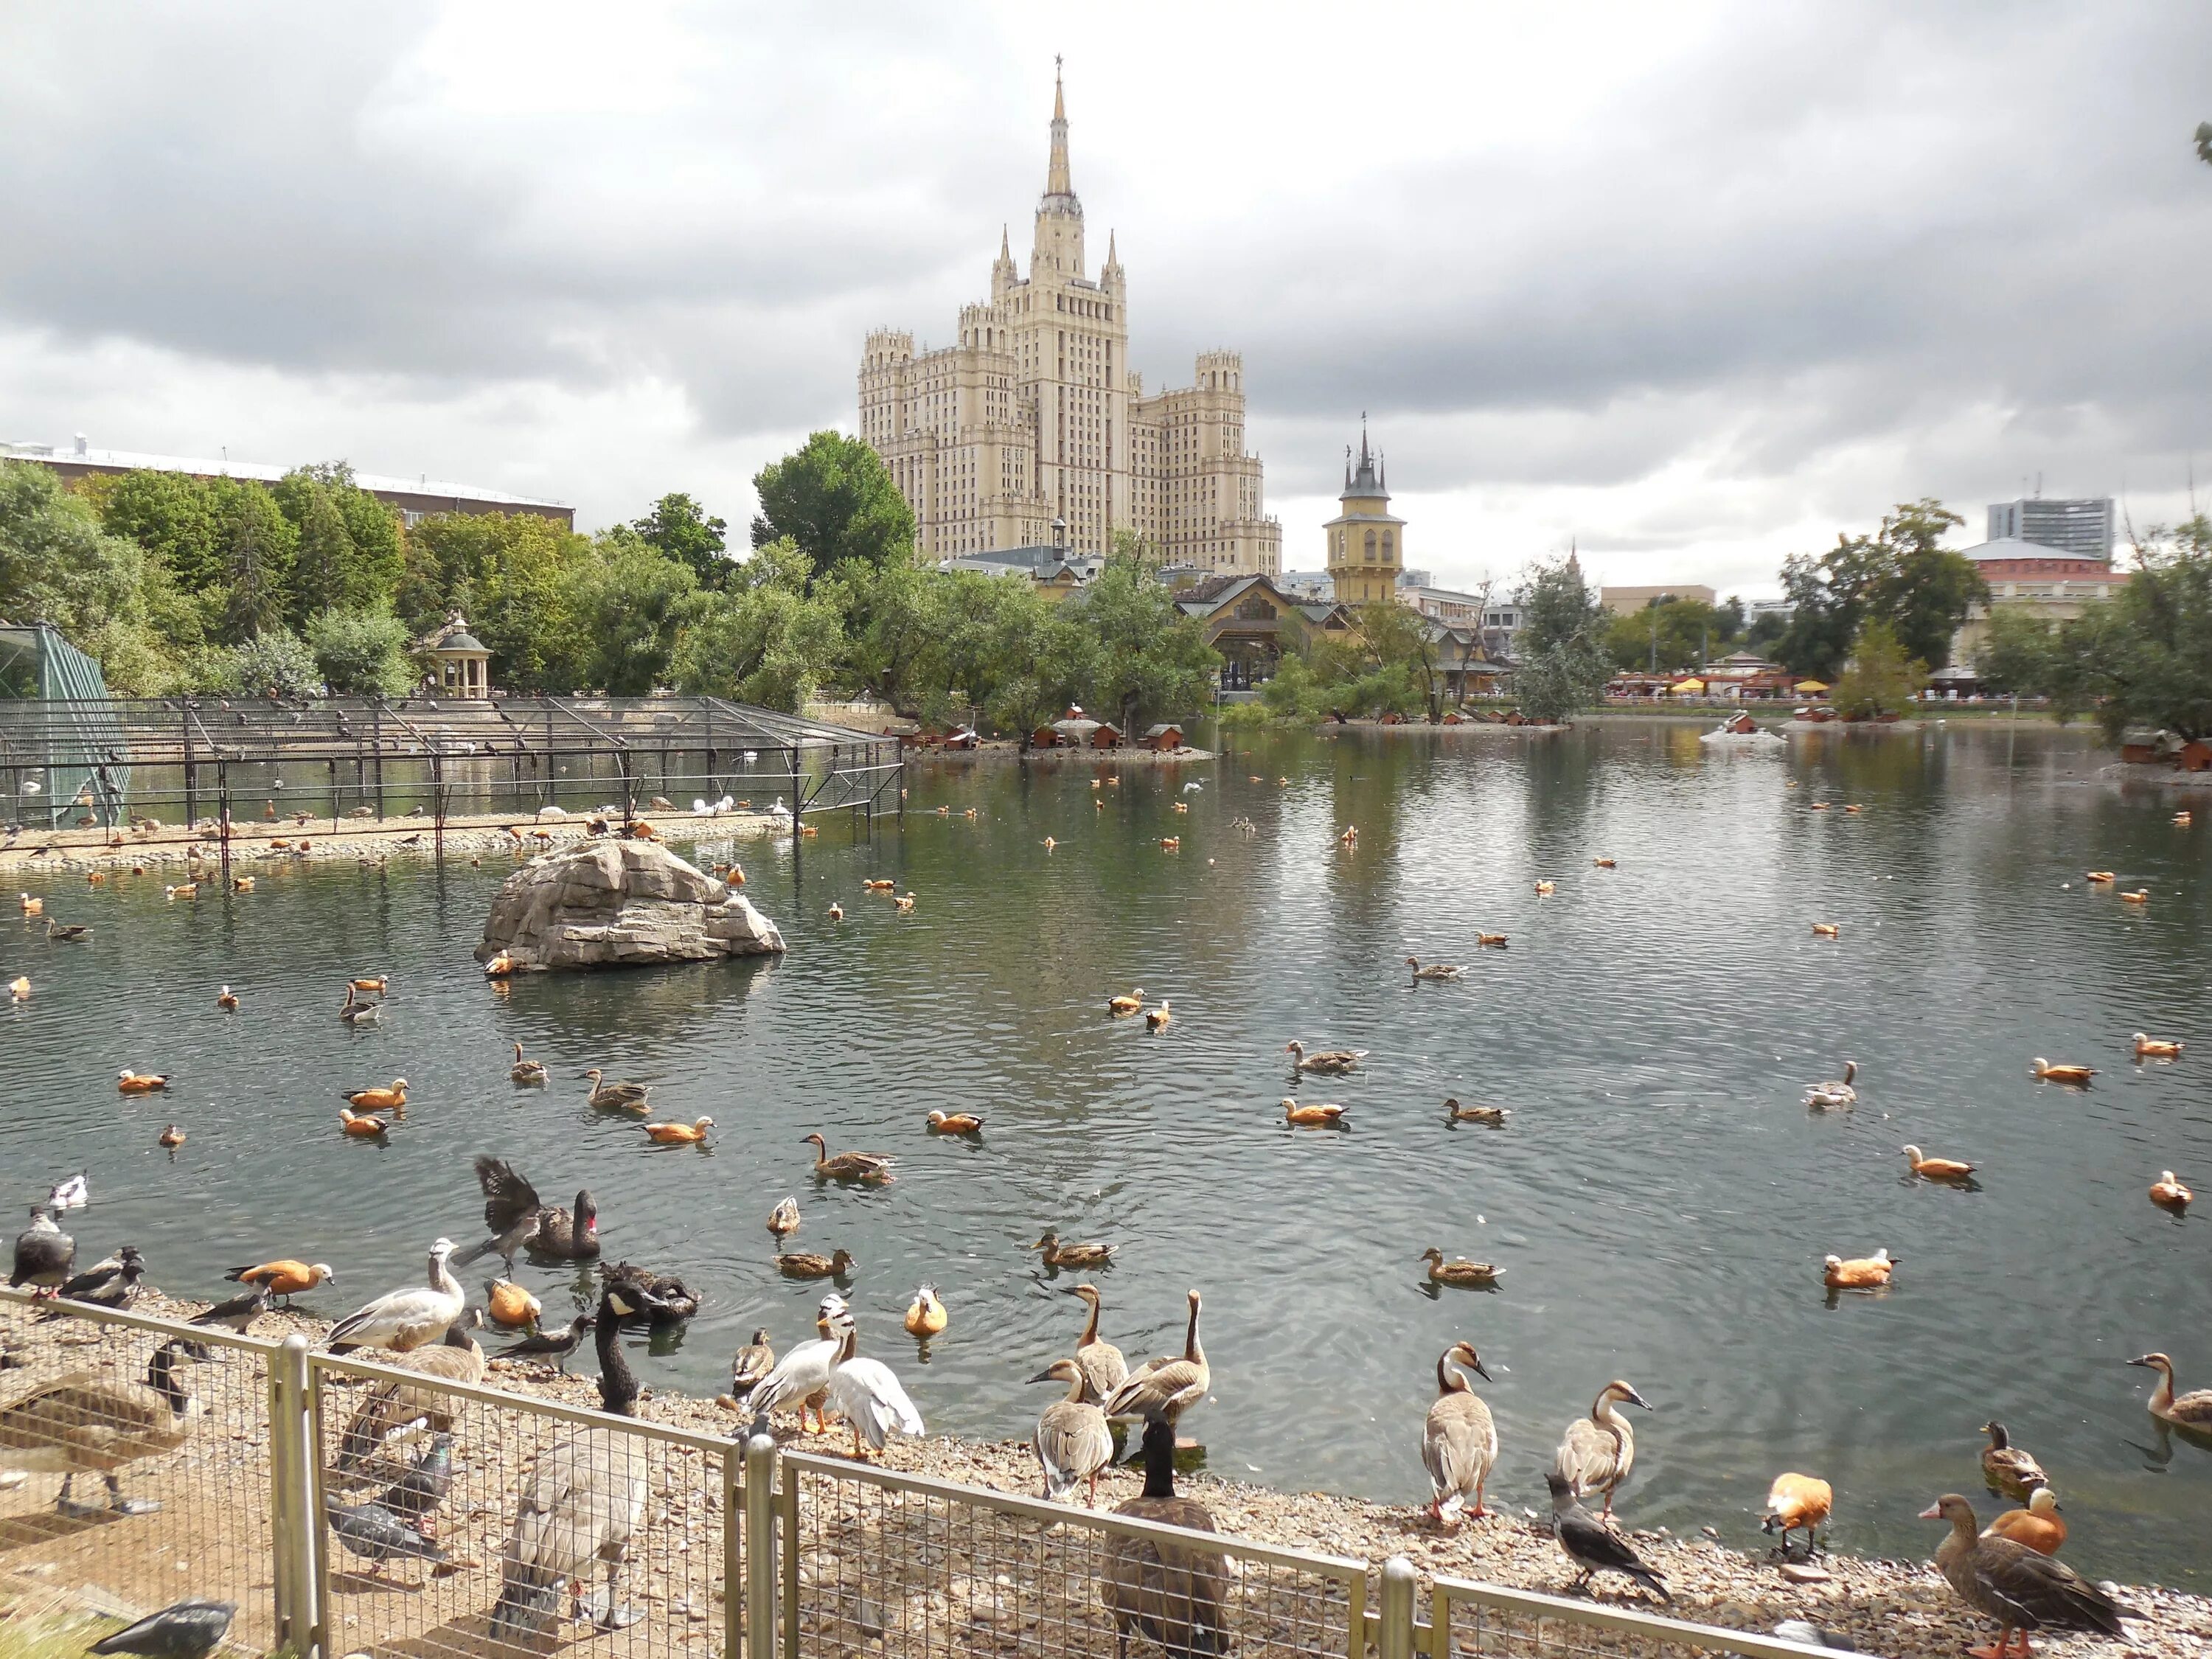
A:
(1897, 1607)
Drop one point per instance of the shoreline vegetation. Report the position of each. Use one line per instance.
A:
(1899, 1608)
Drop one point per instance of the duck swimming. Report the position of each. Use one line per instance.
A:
(693, 1134)
(1128, 1004)
(360, 1126)
(2044, 1071)
(1156, 1019)
(1827, 930)
(870, 1169)
(391, 1099)
(1858, 1274)
(1492, 1117)
(1434, 970)
(529, 1072)
(1329, 1059)
(2149, 1047)
(1312, 1117)
(2168, 1193)
(925, 1314)
(129, 1082)
(616, 1096)
(954, 1123)
(1937, 1168)
(1458, 1270)
(1057, 1255)
(1836, 1092)
(2189, 1411)
(783, 1221)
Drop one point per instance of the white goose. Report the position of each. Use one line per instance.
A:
(803, 1374)
(408, 1319)
(1836, 1092)
(869, 1397)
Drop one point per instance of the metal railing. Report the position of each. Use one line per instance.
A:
(355, 1505)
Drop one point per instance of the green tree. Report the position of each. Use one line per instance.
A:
(59, 566)
(679, 527)
(832, 498)
(631, 602)
(895, 619)
(350, 551)
(2019, 653)
(515, 576)
(258, 547)
(2145, 658)
(1881, 678)
(764, 639)
(1039, 660)
(277, 664)
(1898, 575)
(362, 653)
(1153, 660)
(173, 516)
(1561, 642)
(1672, 634)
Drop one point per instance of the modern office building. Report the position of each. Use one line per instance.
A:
(2082, 526)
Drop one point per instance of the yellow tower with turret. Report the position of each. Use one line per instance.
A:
(1366, 544)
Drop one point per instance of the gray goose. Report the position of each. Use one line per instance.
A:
(1104, 1370)
(1598, 1451)
(2019, 1589)
(1071, 1441)
(1459, 1443)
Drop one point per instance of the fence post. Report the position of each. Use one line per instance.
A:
(760, 1546)
(734, 1550)
(1394, 1637)
(291, 1509)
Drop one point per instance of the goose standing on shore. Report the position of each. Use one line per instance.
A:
(1071, 1441)
(584, 1501)
(1459, 1443)
(1168, 1387)
(87, 1423)
(1599, 1451)
(403, 1319)
(802, 1375)
(1103, 1368)
(1171, 1593)
(869, 1397)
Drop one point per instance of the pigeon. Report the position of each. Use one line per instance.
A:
(417, 1495)
(240, 1312)
(377, 1536)
(186, 1630)
(556, 1346)
(43, 1253)
(1593, 1545)
(1812, 1636)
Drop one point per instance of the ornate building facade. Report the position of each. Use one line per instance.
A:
(1031, 430)
(1366, 544)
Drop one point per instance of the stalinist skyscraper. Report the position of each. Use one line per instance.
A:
(1033, 415)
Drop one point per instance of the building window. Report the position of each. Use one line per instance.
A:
(1371, 547)
(1389, 543)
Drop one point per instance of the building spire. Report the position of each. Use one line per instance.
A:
(1056, 181)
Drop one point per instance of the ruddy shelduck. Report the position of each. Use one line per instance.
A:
(172, 1137)
(391, 1099)
(1797, 1503)
(2149, 1047)
(31, 907)
(954, 1123)
(2141, 896)
(2044, 1071)
(1863, 1272)
(227, 999)
(1827, 930)
(1937, 1168)
(2168, 1193)
(1546, 888)
(129, 1082)
(361, 1125)
(2102, 878)
(680, 1134)
(19, 989)
(1312, 1117)
(1127, 1004)
(903, 904)
(925, 1314)
(2040, 1526)
(1156, 1019)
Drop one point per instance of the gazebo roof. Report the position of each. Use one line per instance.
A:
(462, 642)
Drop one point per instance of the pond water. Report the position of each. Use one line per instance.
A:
(1660, 1201)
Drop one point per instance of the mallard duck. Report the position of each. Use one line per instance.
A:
(954, 1123)
(172, 1137)
(2190, 1411)
(1434, 970)
(679, 1134)
(903, 904)
(1594, 1546)
(129, 1082)
(226, 1000)
(2102, 878)
(1937, 1168)
(1103, 1368)
(1166, 1387)
(751, 1363)
(1837, 1091)
(1329, 1059)
(1546, 888)
(1864, 1273)
(354, 1012)
(1126, 1004)
(1492, 1116)
(925, 1314)
(87, 1423)
(1458, 1270)
(2040, 1526)
(2009, 1469)
(584, 1504)
(783, 1221)
(1073, 1442)
(616, 1096)
(361, 1126)
(531, 1072)
(871, 1169)
(1491, 941)
(1459, 1441)
(2148, 1048)
(1827, 930)
(1797, 1503)
(2168, 1193)
(836, 911)
(2013, 1584)
(804, 1264)
(2043, 1070)
(2141, 896)
(391, 1099)
(413, 1316)
(1057, 1255)
(284, 1278)
(1156, 1019)
(1598, 1452)
(1312, 1117)
(508, 1305)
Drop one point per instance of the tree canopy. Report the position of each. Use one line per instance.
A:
(832, 499)
(680, 528)
(1899, 576)
(1561, 641)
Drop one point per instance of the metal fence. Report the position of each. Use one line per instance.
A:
(357, 1506)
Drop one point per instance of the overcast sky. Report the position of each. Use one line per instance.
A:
(1694, 284)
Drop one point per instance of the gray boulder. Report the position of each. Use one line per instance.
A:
(607, 904)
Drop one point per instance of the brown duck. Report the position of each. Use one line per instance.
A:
(1057, 1255)
(2022, 1590)
(2008, 1468)
(805, 1264)
(873, 1168)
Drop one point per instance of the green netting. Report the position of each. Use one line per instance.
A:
(77, 769)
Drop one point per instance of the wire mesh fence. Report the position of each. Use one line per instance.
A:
(459, 1520)
(899, 1567)
(1469, 1620)
(134, 1466)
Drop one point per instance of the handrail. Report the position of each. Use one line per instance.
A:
(1752, 1644)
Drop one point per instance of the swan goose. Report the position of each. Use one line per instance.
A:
(1327, 1060)
(1459, 1441)
(616, 1096)
(526, 1071)
(1073, 1442)
(1103, 1368)
(2190, 1411)
(1166, 1387)
(1434, 970)
(1598, 1451)
(1837, 1091)
(871, 1169)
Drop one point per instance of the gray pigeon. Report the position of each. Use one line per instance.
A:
(43, 1253)
(185, 1631)
(377, 1536)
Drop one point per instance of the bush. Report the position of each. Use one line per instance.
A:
(362, 653)
(276, 663)
(1881, 679)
